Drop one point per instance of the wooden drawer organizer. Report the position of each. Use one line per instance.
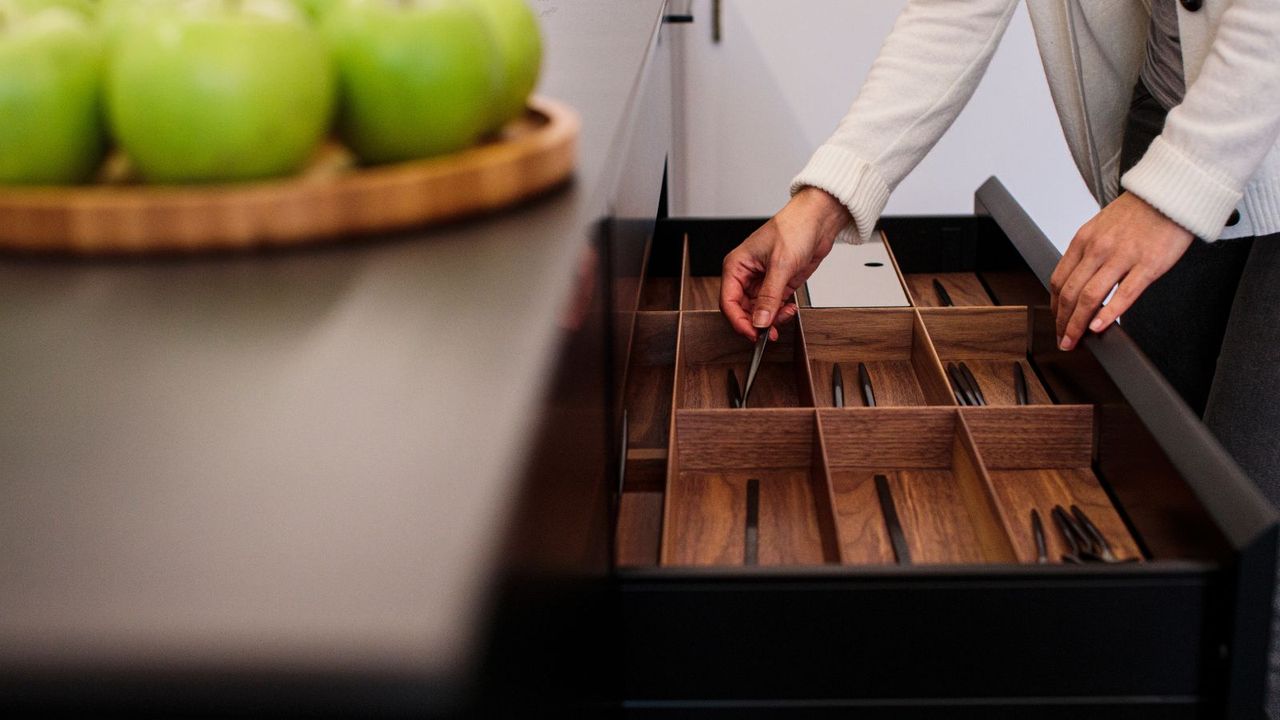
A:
(964, 480)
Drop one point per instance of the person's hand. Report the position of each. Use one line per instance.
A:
(1130, 243)
(762, 274)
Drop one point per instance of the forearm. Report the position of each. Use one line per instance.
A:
(1229, 120)
(925, 73)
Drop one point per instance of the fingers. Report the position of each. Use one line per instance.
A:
(739, 272)
(1071, 290)
(1133, 285)
(773, 292)
(1087, 302)
(1065, 267)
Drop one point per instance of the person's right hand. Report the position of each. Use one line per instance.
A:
(764, 272)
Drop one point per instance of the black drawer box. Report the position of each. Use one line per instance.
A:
(826, 621)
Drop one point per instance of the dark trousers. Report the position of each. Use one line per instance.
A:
(1212, 326)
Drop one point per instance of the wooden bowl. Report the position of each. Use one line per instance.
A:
(332, 198)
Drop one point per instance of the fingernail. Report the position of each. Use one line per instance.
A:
(1097, 325)
(762, 319)
(1065, 344)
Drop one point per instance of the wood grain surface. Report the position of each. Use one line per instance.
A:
(928, 367)
(858, 334)
(639, 531)
(651, 379)
(660, 293)
(974, 484)
(1028, 438)
(701, 292)
(706, 520)
(864, 539)
(717, 439)
(330, 200)
(965, 289)
(708, 349)
(1017, 287)
(646, 470)
(893, 382)
(934, 517)
(1018, 491)
(888, 437)
(977, 333)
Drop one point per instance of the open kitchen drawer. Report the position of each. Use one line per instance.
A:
(880, 556)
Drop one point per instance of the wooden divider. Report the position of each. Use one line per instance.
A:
(989, 341)
(963, 480)
(709, 349)
(890, 342)
(717, 452)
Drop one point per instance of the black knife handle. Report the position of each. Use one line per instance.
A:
(957, 384)
(1099, 540)
(896, 537)
(751, 540)
(973, 383)
(943, 296)
(1020, 384)
(868, 392)
(837, 386)
(1037, 532)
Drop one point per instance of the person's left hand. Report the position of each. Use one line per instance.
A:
(1130, 243)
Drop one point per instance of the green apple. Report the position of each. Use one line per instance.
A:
(219, 90)
(417, 77)
(317, 9)
(520, 48)
(50, 114)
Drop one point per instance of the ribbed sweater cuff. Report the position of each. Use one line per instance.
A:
(852, 181)
(1187, 193)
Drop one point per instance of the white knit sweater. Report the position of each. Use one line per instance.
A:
(1218, 151)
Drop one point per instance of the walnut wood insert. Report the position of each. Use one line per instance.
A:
(989, 341)
(717, 453)
(891, 343)
(964, 288)
(709, 349)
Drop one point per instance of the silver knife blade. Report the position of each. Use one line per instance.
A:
(837, 387)
(755, 363)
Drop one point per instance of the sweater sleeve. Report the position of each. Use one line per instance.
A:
(1196, 171)
(926, 71)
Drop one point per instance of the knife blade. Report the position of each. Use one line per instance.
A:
(973, 383)
(751, 540)
(896, 538)
(1037, 532)
(868, 392)
(1020, 384)
(943, 296)
(735, 391)
(837, 386)
(755, 363)
(969, 397)
(957, 384)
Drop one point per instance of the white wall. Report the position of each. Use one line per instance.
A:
(757, 104)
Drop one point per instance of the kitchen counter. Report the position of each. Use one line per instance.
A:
(293, 462)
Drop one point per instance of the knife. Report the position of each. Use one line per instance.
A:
(1037, 531)
(1068, 533)
(957, 386)
(735, 392)
(1020, 384)
(837, 386)
(943, 296)
(959, 379)
(1099, 540)
(751, 541)
(899, 541)
(973, 384)
(868, 393)
(755, 363)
